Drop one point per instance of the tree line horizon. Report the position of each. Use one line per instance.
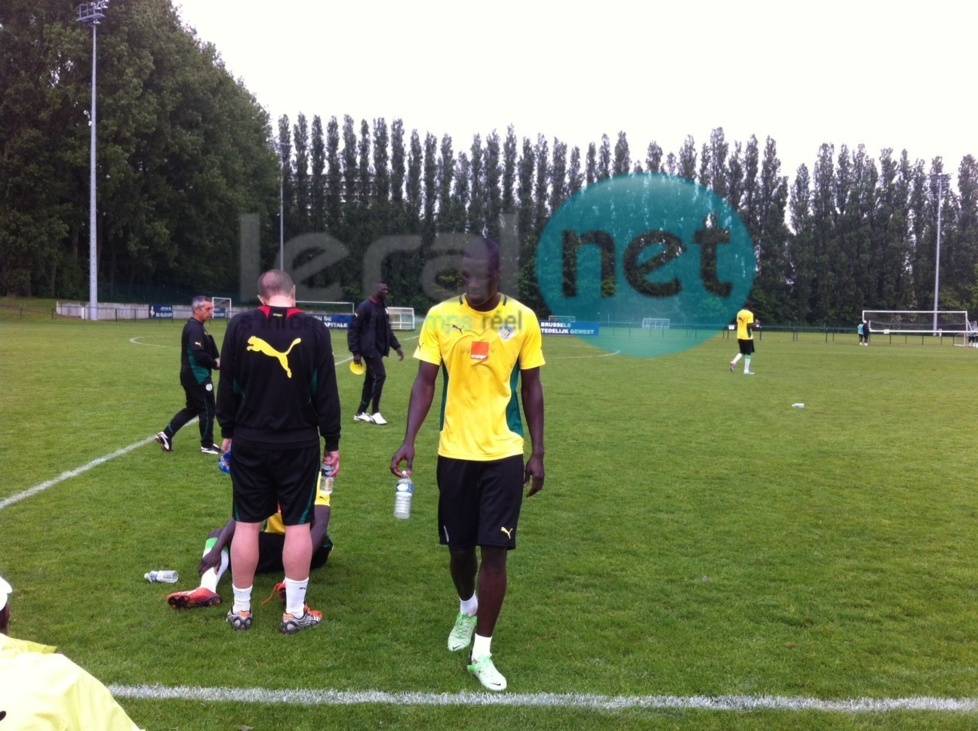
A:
(184, 150)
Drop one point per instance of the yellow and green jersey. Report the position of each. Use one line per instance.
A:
(481, 355)
(745, 318)
(274, 524)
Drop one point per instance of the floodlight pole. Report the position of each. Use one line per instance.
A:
(281, 208)
(91, 14)
(941, 179)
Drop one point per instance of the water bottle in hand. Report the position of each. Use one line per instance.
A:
(326, 479)
(403, 493)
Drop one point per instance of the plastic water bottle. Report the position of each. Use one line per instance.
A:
(326, 480)
(402, 497)
(224, 462)
(166, 576)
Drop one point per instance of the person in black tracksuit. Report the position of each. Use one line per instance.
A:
(370, 339)
(198, 357)
(276, 398)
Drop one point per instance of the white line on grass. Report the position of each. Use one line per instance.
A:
(29, 492)
(609, 354)
(136, 341)
(546, 700)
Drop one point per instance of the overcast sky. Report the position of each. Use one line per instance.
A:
(842, 72)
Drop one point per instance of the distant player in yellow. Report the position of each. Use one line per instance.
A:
(488, 348)
(745, 338)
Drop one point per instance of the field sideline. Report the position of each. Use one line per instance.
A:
(703, 556)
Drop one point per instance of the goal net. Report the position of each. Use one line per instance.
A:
(402, 318)
(326, 308)
(222, 307)
(655, 323)
(917, 321)
(333, 314)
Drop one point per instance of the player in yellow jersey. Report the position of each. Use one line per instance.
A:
(745, 338)
(488, 347)
(42, 689)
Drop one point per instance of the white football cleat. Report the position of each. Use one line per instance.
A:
(378, 419)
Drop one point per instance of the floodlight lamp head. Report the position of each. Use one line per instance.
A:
(91, 13)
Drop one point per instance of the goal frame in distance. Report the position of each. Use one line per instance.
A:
(917, 322)
(656, 323)
(327, 308)
(222, 303)
(401, 318)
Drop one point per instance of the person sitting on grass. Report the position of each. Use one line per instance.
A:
(41, 688)
(271, 541)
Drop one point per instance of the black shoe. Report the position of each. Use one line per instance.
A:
(213, 449)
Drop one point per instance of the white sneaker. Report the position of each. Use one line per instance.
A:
(378, 419)
(461, 635)
(487, 674)
(363, 417)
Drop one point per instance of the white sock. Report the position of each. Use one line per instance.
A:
(469, 606)
(295, 596)
(736, 358)
(480, 647)
(746, 365)
(211, 577)
(242, 599)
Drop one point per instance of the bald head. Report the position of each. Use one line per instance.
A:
(275, 282)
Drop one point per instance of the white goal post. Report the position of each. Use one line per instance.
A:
(655, 323)
(917, 321)
(402, 318)
(222, 307)
(327, 308)
(340, 314)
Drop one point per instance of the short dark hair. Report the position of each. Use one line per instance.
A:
(484, 249)
(274, 282)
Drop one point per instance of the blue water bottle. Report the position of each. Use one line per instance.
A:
(224, 462)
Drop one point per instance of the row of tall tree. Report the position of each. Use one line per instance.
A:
(184, 150)
(856, 232)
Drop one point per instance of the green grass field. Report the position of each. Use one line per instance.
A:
(697, 537)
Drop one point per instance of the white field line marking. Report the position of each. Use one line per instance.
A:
(553, 700)
(136, 341)
(546, 700)
(6, 502)
(578, 357)
(29, 492)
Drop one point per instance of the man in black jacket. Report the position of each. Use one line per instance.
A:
(370, 339)
(276, 398)
(198, 357)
